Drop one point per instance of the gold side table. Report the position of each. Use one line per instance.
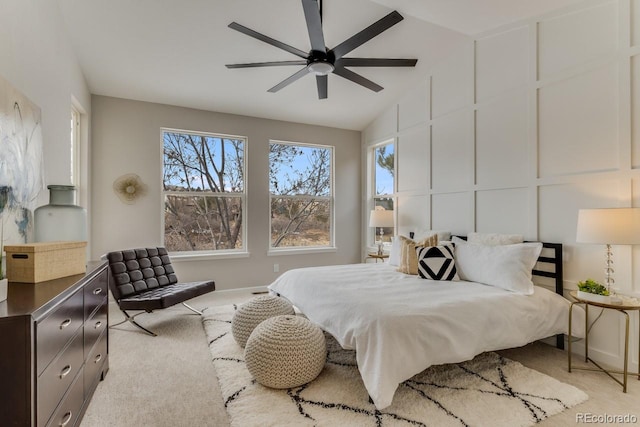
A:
(621, 308)
(377, 257)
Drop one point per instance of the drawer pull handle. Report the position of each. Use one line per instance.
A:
(98, 325)
(66, 323)
(98, 358)
(65, 371)
(66, 419)
(97, 291)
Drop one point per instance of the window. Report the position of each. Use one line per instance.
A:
(204, 191)
(383, 184)
(301, 188)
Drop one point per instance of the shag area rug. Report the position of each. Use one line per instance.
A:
(489, 390)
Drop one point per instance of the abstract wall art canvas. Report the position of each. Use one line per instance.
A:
(21, 163)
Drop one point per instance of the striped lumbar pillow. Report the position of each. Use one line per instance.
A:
(409, 259)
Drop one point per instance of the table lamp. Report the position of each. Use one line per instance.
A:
(609, 226)
(381, 218)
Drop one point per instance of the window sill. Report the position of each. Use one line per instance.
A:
(301, 251)
(205, 256)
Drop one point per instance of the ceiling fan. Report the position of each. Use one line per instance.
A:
(321, 60)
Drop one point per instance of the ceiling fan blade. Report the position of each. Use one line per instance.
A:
(267, 39)
(286, 82)
(367, 34)
(314, 24)
(375, 62)
(357, 78)
(266, 64)
(321, 81)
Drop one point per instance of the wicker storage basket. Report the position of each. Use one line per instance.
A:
(39, 262)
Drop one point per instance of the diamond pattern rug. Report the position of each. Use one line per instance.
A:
(489, 390)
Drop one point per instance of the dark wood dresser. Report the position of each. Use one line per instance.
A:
(54, 344)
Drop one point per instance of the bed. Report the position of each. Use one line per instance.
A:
(401, 324)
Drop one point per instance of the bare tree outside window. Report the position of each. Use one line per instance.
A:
(300, 183)
(204, 191)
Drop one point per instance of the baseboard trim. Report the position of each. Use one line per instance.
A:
(252, 289)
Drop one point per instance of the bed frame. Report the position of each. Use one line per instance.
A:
(555, 272)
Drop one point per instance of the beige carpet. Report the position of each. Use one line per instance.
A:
(490, 391)
(169, 380)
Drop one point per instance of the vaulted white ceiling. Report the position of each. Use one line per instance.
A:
(475, 16)
(174, 51)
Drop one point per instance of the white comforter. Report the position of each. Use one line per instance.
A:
(400, 325)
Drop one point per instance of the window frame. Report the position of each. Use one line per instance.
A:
(243, 252)
(294, 250)
(74, 155)
(373, 197)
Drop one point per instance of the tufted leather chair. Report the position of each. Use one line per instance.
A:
(144, 279)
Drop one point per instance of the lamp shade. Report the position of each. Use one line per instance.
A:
(381, 218)
(614, 226)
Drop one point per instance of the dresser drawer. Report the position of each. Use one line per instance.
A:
(55, 380)
(94, 293)
(94, 363)
(66, 415)
(55, 330)
(94, 326)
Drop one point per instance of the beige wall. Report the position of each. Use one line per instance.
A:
(126, 139)
(37, 59)
(522, 127)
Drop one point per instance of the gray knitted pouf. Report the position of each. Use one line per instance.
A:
(252, 313)
(285, 352)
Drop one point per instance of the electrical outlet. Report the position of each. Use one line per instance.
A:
(276, 268)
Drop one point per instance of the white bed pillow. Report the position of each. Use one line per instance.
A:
(494, 239)
(503, 266)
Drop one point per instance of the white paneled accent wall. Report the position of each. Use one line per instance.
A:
(578, 123)
(512, 204)
(413, 151)
(502, 127)
(451, 151)
(452, 83)
(414, 108)
(411, 215)
(569, 40)
(502, 63)
(451, 211)
(520, 128)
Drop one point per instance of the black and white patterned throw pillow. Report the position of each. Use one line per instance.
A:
(437, 262)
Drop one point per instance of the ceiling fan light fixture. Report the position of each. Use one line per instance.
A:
(320, 68)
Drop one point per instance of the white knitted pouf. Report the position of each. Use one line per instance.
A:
(252, 313)
(285, 352)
